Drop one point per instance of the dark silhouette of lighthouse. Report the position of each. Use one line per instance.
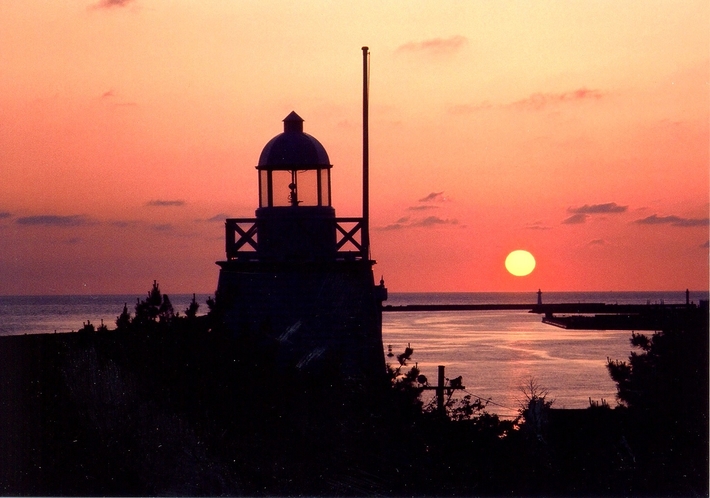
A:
(298, 277)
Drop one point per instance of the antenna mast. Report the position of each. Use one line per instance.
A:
(365, 156)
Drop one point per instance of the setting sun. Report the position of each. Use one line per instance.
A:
(520, 263)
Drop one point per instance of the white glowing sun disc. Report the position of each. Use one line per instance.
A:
(520, 263)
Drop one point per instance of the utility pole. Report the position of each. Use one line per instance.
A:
(440, 388)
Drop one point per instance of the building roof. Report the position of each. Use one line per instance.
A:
(293, 148)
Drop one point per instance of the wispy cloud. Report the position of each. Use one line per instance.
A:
(4, 214)
(538, 225)
(400, 223)
(706, 245)
(434, 197)
(434, 46)
(429, 221)
(597, 242)
(73, 241)
(164, 203)
(609, 207)
(123, 223)
(397, 225)
(538, 101)
(422, 207)
(218, 218)
(110, 4)
(162, 227)
(575, 219)
(110, 97)
(672, 220)
(534, 102)
(56, 221)
(582, 213)
(426, 203)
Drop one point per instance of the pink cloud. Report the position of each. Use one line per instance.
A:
(109, 4)
(429, 221)
(537, 101)
(537, 225)
(576, 219)
(114, 3)
(609, 207)
(434, 46)
(434, 197)
(534, 102)
(673, 220)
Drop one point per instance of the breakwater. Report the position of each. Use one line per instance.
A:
(540, 308)
(583, 316)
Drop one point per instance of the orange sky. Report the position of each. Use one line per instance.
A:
(575, 130)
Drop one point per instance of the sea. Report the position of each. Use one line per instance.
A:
(497, 353)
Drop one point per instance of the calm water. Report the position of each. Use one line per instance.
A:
(496, 352)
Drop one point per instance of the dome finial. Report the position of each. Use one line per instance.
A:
(293, 147)
(293, 122)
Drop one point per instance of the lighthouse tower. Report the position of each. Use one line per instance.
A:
(296, 275)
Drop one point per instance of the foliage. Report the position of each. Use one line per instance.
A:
(156, 311)
(410, 384)
(664, 389)
(407, 385)
(534, 403)
(668, 377)
(123, 321)
(156, 308)
(183, 395)
(599, 405)
(191, 311)
(534, 409)
(466, 407)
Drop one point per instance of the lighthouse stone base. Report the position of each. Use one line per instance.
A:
(317, 314)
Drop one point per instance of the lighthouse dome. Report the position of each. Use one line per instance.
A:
(293, 148)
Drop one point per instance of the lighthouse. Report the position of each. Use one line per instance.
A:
(296, 276)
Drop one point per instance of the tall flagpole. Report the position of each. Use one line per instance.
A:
(365, 156)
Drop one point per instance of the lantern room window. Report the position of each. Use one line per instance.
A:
(302, 187)
(294, 169)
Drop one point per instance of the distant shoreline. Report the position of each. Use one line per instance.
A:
(532, 293)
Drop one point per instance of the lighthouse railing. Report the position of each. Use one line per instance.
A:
(349, 234)
(242, 241)
(246, 229)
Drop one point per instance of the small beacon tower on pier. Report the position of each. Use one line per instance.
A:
(298, 277)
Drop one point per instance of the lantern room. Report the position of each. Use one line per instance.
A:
(294, 169)
(295, 220)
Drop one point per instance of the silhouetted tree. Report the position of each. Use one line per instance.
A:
(535, 407)
(466, 408)
(191, 311)
(211, 302)
(147, 311)
(166, 313)
(407, 385)
(88, 328)
(664, 388)
(123, 321)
